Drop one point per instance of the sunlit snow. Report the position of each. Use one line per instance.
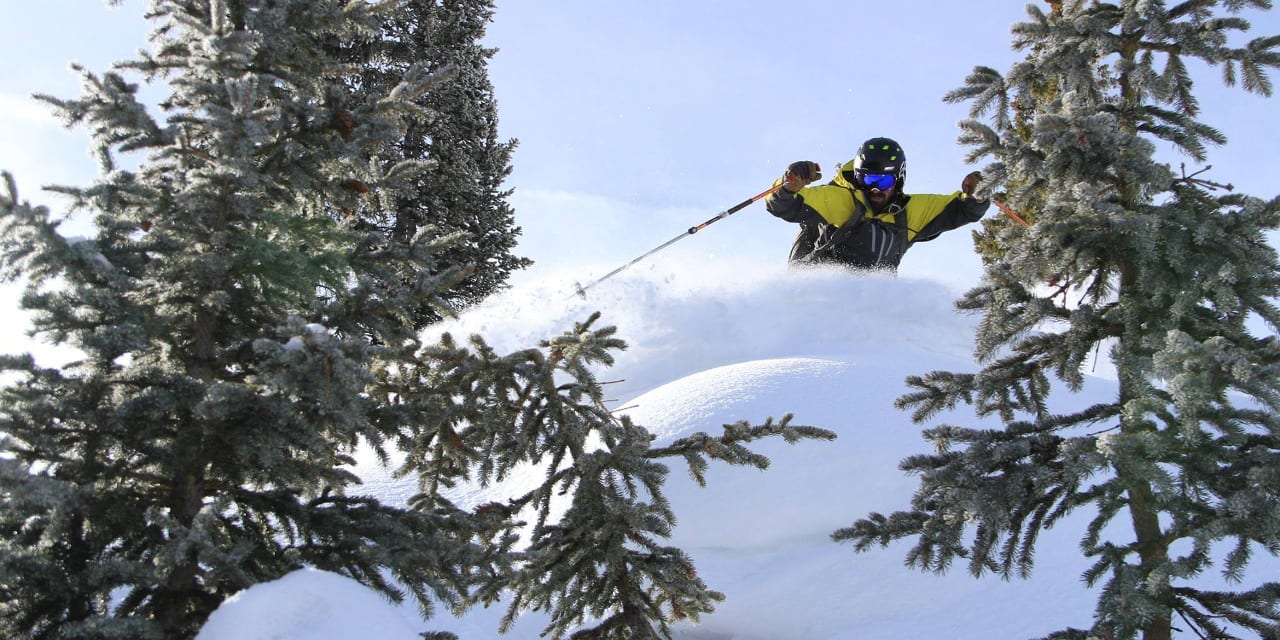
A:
(746, 342)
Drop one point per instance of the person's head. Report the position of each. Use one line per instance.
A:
(879, 170)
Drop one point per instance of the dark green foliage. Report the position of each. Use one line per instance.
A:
(1174, 280)
(602, 557)
(246, 316)
(199, 444)
(463, 192)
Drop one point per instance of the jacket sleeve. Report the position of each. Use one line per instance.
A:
(791, 207)
(959, 209)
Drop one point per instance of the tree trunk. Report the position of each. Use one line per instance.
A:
(1153, 551)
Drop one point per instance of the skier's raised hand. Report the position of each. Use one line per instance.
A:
(800, 174)
(971, 182)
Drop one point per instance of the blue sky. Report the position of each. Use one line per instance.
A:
(637, 120)
(673, 105)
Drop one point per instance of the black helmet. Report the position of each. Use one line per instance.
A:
(879, 156)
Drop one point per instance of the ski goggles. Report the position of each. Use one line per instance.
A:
(881, 181)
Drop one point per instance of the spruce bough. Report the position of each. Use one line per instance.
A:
(247, 314)
(1179, 475)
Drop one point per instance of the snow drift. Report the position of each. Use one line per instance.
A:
(708, 348)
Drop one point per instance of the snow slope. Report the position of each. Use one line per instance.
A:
(750, 341)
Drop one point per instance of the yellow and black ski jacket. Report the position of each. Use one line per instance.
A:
(838, 226)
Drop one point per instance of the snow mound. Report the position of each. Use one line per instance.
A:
(679, 320)
(805, 491)
(307, 605)
(832, 348)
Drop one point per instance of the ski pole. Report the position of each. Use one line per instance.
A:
(1010, 212)
(582, 290)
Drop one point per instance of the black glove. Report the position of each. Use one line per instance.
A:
(800, 174)
(971, 182)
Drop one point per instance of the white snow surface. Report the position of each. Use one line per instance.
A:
(710, 345)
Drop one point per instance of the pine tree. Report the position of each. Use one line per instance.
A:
(224, 311)
(1025, 104)
(1180, 473)
(463, 192)
(602, 557)
(244, 326)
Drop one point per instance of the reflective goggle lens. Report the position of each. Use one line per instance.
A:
(881, 181)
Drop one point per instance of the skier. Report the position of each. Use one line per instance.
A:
(862, 218)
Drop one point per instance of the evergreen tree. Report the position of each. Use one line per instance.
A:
(199, 445)
(1181, 471)
(242, 330)
(463, 191)
(601, 556)
(1025, 104)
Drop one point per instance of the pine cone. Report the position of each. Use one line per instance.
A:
(356, 185)
(345, 123)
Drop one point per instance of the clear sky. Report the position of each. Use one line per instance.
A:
(637, 120)
(670, 111)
